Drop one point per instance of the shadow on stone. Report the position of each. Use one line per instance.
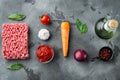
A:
(30, 1)
(116, 51)
(58, 14)
(31, 75)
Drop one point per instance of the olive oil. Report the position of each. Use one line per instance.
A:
(106, 29)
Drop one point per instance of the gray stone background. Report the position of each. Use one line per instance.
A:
(88, 11)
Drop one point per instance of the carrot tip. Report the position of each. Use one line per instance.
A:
(65, 55)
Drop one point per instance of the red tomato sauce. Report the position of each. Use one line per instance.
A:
(44, 53)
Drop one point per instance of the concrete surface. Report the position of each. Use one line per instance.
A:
(88, 11)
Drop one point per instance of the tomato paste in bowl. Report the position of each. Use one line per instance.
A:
(45, 53)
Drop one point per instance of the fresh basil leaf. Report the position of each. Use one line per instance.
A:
(15, 66)
(83, 28)
(16, 17)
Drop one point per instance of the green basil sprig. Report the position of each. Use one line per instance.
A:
(15, 66)
(17, 17)
(81, 27)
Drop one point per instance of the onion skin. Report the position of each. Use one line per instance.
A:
(80, 55)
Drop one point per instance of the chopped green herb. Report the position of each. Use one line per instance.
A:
(15, 66)
(81, 27)
(16, 17)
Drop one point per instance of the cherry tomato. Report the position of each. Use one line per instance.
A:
(45, 19)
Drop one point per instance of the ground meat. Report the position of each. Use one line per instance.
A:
(15, 41)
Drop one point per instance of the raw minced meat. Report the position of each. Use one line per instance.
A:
(15, 41)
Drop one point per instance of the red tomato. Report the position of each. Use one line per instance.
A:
(45, 19)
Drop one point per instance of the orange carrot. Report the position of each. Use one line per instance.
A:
(65, 29)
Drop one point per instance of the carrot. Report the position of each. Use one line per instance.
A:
(65, 29)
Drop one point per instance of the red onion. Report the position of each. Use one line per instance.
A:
(80, 55)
